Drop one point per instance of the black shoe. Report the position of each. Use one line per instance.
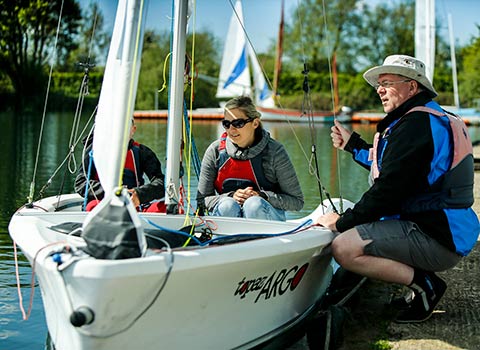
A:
(403, 302)
(424, 302)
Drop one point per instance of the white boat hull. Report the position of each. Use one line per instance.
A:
(219, 297)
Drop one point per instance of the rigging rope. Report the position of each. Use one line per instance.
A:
(197, 162)
(308, 107)
(32, 184)
(49, 181)
(82, 93)
(72, 162)
(75, 136)
(332, 94)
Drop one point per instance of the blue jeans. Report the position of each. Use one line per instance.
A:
(253, 208)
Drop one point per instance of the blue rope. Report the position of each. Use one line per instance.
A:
(260, 235)
(90, 162)
(181, 233)
(240, 235)
(197, 163)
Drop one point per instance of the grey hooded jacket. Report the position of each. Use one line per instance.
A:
(277, 168)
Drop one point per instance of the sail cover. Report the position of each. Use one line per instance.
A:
(234, 73)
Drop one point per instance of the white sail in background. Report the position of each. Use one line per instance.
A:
(112, 122)
(263, 94)
(425, 34)
(234, 73)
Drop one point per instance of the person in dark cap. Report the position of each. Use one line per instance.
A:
(416, 218)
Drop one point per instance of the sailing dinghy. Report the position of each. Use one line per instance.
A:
(115, 279)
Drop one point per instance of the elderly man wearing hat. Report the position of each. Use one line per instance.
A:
(416, 218)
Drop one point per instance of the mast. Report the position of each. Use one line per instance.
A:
(278, 60)
(454, 63)
(336, 97)
(425, 34)
(175, 105)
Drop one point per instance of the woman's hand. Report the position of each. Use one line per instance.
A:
(242, 194)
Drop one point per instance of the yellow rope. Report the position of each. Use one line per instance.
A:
(192, 230)
(164, 85)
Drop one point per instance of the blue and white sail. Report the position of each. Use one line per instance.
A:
(234, 72)
(262, 92)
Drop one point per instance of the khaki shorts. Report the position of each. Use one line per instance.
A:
(403, 241)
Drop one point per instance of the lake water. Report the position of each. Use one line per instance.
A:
(338, 173)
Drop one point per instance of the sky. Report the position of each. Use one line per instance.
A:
(262, 17)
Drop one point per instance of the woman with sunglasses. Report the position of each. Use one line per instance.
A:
(246, 173)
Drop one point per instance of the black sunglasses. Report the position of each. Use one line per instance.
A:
(236, 123)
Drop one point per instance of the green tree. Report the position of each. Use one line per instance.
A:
(442, 74)
(306, 38)
(205, 64)
(319, 35)
(27, 35)
(356, 35)
(383, 30)
(155, 70)
(93, 41)
(469, 84)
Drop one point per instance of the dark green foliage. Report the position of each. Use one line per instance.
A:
(68, 83)
(27, 35)
(469, 82)
(155, 71)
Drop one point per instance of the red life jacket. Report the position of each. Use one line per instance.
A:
(233, 174)
(132, 173)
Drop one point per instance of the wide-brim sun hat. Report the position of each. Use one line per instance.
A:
(403, 65)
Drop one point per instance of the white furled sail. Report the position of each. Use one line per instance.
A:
(234, 73)
(263, 94)
(117, 96)
(425, 34)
